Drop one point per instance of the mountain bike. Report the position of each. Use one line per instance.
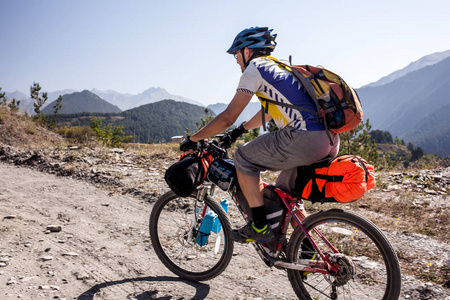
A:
(332, 254)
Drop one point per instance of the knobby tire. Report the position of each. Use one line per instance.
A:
(169, 226)
(377, 271)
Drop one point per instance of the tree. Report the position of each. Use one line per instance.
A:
(271, 126)
(417, 153)
(359, 142)
(250, 135)
(13, 105)
(57, 105)
(39, 99)
(2, 97)
(109, 135)
(381, 137)
(410, 147)
(204, 120)
(56, 108)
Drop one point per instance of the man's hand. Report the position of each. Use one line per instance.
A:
(187, 145)
(231, 136)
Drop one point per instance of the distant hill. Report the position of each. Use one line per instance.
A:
(122, 101)
(154, 122)
(151, 95)
(432, 132)
(408, 107)
(251, 109)
(80, 102)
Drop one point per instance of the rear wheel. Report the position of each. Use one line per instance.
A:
(369, 267)
(174, 230)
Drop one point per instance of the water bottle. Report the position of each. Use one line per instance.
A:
(205, 228)
(217, 226)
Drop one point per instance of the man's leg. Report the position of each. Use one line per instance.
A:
(253, 190)
(257, 230)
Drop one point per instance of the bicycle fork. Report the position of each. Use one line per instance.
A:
(199, 213)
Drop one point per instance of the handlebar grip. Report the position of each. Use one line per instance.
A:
(218, 149)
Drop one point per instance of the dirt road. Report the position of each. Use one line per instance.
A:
(102, 250)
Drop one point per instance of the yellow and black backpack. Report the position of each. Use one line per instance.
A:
(337, 104)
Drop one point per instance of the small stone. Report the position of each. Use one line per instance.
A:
(54, 228)
(25, 279)
(28, 245)
(70, 254)
(44, 287)
(47, 258)
(81, 276)
(430, 192)
(2, 264)
(4, 259)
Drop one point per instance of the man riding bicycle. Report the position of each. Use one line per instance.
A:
(301, 139)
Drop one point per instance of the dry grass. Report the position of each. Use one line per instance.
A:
(22, 131)
(169, 150)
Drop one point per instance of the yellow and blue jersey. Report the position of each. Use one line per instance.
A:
(269, 80)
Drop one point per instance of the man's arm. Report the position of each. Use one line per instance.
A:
(256, 121)
(225, 119)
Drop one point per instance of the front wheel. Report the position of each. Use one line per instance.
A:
(175, 232)
(369, 267)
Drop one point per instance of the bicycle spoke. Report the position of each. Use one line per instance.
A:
(367, 265)
(178, 241)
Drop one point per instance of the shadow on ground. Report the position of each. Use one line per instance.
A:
(202, 290)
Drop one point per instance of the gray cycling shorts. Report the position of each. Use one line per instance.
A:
(284, 150)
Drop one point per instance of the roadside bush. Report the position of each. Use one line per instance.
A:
(77, 134)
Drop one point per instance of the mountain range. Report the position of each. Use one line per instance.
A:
(413, 107)
(427, 60)
(122, 101)
(411, 103)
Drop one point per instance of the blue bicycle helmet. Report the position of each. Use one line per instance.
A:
(254, 38)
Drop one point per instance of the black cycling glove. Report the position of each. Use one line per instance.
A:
(187, 144)
(231, 136)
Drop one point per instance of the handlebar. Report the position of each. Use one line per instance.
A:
(216, 147)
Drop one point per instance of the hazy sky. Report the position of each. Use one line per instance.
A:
(130, 46)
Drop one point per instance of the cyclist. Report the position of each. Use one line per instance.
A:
(301, 139)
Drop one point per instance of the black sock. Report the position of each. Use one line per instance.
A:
(259, 216)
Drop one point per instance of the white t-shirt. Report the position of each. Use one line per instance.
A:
(270, 80)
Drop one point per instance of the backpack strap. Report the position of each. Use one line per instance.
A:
(329, 178)
(364, 167)
(306, 83)
(265, 110)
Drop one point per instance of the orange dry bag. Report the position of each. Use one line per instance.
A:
(345, 178)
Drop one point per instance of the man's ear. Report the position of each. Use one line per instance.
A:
(247, 52)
